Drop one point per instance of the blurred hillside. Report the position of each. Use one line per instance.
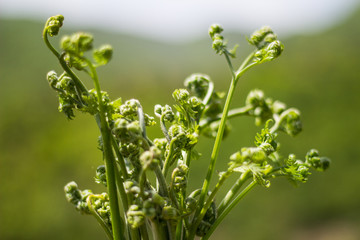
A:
(40, 151)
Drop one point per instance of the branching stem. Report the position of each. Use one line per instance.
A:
(118, 230)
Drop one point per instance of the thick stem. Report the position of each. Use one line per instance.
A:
(159, 232)
(214, 154)
(171, 230)
(235, 77)
(144, 232)
(179, 228)
(117, 228)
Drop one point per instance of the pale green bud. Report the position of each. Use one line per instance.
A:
(135, 216)
(149, 209)
(103, 54)
(293, 124)
(175, 130)
(169, 212)
(77, 43)
(258, 36)
(278, 107)
(151, 158)
(158, 110)
(100, 176)
(253, 154)
(190, 204)
(255, 98)
(196, 104)
(160, 143)
(52, 78)
(54, 24)
(166, 112)
(218, 44)
(198, 84)
(237, 157)
(72, 192)
(317, 162)
(215, 29)
(181, 95)
(129, 108)
(273, 50)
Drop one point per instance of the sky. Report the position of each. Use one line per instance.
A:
(186, 20)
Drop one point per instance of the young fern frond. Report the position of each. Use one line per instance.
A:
(129, 154)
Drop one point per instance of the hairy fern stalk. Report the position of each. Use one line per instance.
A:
(135, 207)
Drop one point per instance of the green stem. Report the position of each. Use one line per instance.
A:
(142, 228)
(247, 60)
(163, 189)
(232, 192)
(144, 232)
(142, 123)
(168, 158)
(231, 114)
(121, 189)
(159, 232)
(208, 93)
(163, 128)
(120, 158)
(187, 162)
(239, 111)
(235, 77)
(98, 218)
(117, 227)
(179, 228)
(214, 154)
(241, 72)
(78, 83)
(210, 199)
(228, 60)
(171, 230)
(228, 209)
(142, 181)
(46, 40)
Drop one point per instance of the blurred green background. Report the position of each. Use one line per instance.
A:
(40, 150)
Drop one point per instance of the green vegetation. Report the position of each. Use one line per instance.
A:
(138, 207)
(25, 147)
